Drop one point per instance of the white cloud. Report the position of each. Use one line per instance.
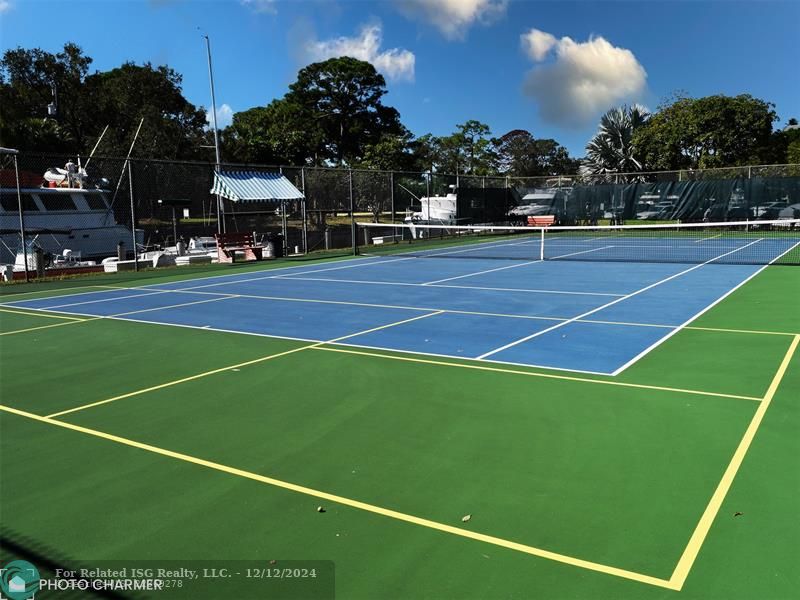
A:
(453, 17)
(583, 80)
(261, 6)
(538, 43)
(224, 116)
(5, 6)
(396, 64)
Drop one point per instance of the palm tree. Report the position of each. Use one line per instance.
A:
(611, 150)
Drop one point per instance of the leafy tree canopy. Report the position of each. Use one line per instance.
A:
(27, 81)
(715, 131)
(172, 128)
(86, 103)
(340, 99)
(271, 135)
(469, 150)
(519, 154)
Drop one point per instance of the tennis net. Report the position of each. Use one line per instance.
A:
(743, 242)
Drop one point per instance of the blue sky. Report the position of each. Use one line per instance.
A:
(551, 67)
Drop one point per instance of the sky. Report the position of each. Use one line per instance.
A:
(549, 67)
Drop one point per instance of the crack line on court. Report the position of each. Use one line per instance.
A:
(352, 503)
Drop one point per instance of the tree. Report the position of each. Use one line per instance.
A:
(519, 154)
(389, 153)
(424, 151)
(342, 97)
(373, 187)
(468, 151)
(276, 134)
(612, 149)
(790, 142)
(28, 80)
(476, 147)
(714, 131)
(173, 127)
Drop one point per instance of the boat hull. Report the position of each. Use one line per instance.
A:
(91, 243)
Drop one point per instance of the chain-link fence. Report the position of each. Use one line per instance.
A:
(75, 210)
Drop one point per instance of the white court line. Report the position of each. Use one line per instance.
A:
(107, 299)
(366, 259)
(460, 287)
(599, 308)
(215, 371)
(387, 306)
(465, 248)
(532, 262)
(514, 266)
(698, 315)
(581, 252)
(262, 277)
(374, 347)
(471, 247)
(351, 335)
(470, 358)
(711, 237)
(144, 310)
(532, 291)
(381, 262)
(317, 341)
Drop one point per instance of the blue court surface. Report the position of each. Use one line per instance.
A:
(595, 317)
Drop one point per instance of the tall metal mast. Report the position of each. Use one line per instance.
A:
(220, 216)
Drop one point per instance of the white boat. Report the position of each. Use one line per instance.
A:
(72, 214)
(435, 210)
(36, 260)
(199, 250)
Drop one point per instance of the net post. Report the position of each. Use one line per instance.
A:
(541, 246)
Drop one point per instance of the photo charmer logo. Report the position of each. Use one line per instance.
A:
(19, 580)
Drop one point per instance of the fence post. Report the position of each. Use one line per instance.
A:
(21, 222)
(352, 213)
(133, 218)
(305, 218)
(428, 192)
(391, 197)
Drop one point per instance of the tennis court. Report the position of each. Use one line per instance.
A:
(592, 406)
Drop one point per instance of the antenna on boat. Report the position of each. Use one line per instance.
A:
(413, 195)
(220, 224)
(124, 165)
(95, 147)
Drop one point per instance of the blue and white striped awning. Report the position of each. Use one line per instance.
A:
(254, 186)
